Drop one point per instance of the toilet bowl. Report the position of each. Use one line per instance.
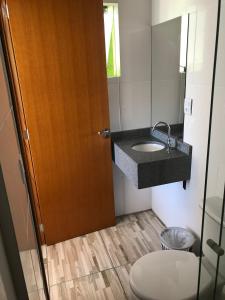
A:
(168, 275)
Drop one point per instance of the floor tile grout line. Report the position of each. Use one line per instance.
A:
(114, 268)
(81, 277)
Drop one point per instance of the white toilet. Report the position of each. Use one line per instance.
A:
(173, 275)
(168, 275)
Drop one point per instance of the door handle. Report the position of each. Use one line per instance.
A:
(215, 247)
(105, 133)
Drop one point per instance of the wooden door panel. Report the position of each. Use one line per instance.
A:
(59, 52)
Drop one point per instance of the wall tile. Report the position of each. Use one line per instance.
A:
(118, 181)
(114, 103)
(135, 200)
(128, 198)
(135, 54)
(135, 105)
(133, 13)
(200, 65)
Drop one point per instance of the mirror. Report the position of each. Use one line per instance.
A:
(169, 62)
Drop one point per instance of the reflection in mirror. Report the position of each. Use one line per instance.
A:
(169, 62)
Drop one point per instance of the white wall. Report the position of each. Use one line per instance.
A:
(175, 206)
(129, 96)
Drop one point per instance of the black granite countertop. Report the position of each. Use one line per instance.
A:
(147, 169)
(126, 145)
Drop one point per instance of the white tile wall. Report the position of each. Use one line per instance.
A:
(114, 103)
(130, 95)
(135, 54)
(173, 205)
(135, 104)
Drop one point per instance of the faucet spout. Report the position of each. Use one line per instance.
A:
(168, 133)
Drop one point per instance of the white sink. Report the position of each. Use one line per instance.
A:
(148, 147)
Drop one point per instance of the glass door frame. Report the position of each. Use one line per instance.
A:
(207, 164)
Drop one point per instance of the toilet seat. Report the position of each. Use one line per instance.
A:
(167, 275)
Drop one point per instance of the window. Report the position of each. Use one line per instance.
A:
(112, 45)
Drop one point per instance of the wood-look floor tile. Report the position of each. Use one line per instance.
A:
(123, 273)
(128, 241)
(77, 257)
(123, 220)
(151, 219)
(125, 244)
(151, 228)
(37, 270)
(32, 274)
(28, 270)
(100, 286)
(37, 295)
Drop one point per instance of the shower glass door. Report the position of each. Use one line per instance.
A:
(213, 235)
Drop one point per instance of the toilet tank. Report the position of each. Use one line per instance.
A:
(213, 212)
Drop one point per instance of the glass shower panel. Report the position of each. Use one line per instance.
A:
(214, 202)
(220, 96)
(12, 167)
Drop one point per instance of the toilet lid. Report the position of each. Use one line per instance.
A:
(167, 275)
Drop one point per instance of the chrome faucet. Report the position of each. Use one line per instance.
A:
(168, 133)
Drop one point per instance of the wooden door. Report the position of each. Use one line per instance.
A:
(19, 113)
(60, 59)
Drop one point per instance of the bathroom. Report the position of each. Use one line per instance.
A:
(77, 226)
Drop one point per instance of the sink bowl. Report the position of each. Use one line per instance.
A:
(148, 147)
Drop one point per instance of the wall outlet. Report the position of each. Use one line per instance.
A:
(188, 104)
